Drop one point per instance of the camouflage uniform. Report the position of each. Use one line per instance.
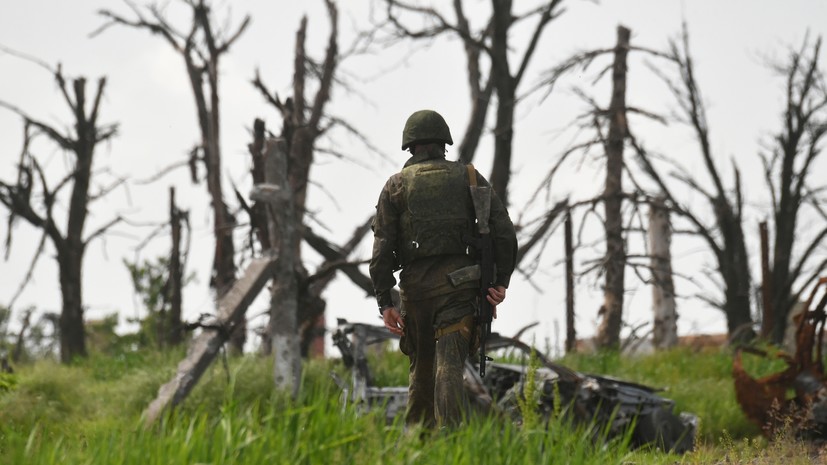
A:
(430, 302)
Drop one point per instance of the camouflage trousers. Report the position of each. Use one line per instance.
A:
(436, 396)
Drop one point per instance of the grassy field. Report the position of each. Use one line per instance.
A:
(90, 413)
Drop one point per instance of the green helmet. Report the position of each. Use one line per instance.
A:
(425, 126)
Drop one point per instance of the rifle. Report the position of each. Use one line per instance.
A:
(481, 197)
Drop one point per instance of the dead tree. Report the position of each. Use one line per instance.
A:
(23, 201)
(303, 122)
(284, 298)
(19, 344)
(790, 168)
(608, 333)
(201, 48)
(767, 318)
(725, 236)
(665, 328)
(611, 128)
(503, 78)
(174, 325)
(571, 334)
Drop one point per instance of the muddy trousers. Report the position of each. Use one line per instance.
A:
(436, 395)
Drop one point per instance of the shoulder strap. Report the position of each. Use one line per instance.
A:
(472, 175)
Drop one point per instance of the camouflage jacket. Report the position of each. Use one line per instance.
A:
(427, 277)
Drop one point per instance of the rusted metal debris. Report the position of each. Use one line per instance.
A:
(609, 404)
(766, 402)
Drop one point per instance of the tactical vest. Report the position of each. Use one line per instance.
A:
(439, 213)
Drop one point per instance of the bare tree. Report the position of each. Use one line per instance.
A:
(622, 215)
(725, 236)
(201, 47)
(503, 78)
(23, 201)
(789, 169)
(614, 264)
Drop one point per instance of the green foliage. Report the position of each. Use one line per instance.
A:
(527, 402)
(7, 382)
(101, 335)
(149, 280)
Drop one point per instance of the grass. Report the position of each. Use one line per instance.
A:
(90, 413)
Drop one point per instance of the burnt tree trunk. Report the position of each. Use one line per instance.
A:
(735, 266)
(767, 319)
(505, 89)
(665, 328)
(506, 83)
(283, 225)
(571, 334)
(608, 333)
(72, 333)
(174, 326)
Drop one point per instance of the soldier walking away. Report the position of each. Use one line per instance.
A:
(425, 221)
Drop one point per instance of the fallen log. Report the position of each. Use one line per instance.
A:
(231, 308)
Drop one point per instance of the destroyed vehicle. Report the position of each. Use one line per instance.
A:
(609, 404)
(793, 400)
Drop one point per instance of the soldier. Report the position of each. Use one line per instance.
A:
(423, 223)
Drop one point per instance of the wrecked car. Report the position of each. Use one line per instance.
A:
(612, 405)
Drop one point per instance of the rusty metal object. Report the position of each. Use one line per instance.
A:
(765, 400)
(609, 404)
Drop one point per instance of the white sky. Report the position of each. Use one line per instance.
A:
(149, 96)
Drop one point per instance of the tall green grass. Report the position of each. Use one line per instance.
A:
(90, 413)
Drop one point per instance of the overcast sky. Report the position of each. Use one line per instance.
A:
(148, 95)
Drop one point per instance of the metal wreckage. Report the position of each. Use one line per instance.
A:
(611, 405)
(794, 400)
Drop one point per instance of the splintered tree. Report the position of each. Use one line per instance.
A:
(303, 122)
(201, 48)
(22, 199)
(503, 79)
(789, 169)
(665, 327)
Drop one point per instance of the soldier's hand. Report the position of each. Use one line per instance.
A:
(496, 296)
(393, 320)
